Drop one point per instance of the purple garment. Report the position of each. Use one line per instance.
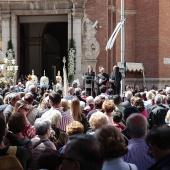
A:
(138, 154)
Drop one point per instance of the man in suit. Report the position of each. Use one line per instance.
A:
(101, 79)
(115, 81)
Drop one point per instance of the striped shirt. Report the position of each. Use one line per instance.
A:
(138, 154)
(65, 120)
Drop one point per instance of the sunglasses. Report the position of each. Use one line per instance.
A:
(26, 109)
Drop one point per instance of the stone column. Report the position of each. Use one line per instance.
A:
(5, 30)
(77, 36)
(14, 34)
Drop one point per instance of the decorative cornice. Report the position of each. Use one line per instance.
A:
(40, 12)
(149, 79)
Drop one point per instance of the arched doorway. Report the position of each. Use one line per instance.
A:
(42, 45)
(54, 47)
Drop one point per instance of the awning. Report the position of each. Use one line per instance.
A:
(132, 67)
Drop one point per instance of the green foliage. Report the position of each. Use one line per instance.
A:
(71, 59)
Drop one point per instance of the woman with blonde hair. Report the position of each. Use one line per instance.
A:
(97, 120)
(76, 113)
(22, 107)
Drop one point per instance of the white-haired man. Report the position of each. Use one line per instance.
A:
(128, 96)
(101, 79)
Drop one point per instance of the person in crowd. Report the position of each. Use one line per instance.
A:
(1, 100)
(33, 91)
(40, 141)
(108, 107)
(148, 103)
(158, 114)
(167, 118)
(158, 141)
(5, 103)
(83, 95)
(21, 153)
(102, 98)
(65, 106)
(73, 128)
(50, 159)
(90, 102)
(22, 107)
(115, 85)
(114, 147)
(127, 112)
(167, 90)
(97, 120)
(54, 100)
(143, 96)
(78, 94)
(76, 113)
(110, 93)
(167, 101)
(137, 149)
(12, 99)
(90, 105)
(83, 152)
(117, 120)
(128, 96)
(45, 94)
(89, 81)
(138, 95)
(137, 89)
(97, 107)
(17, 125)
(101, 79)
(43, 107)
(74, 84)
(70, 95)
(32, 110)
(139, 104)
(118, 103)
(103, 92)
(43, 104)
(57, 136)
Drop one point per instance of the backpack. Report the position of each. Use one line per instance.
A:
(10, 161)
(36, 152)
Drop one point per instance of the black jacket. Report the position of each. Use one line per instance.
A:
(163, 164)
(158, 115)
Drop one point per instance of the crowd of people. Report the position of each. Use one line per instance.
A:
(43, 129)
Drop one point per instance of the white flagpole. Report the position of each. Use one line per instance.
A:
(122, 47)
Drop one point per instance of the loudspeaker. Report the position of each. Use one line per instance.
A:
(53, 74)
(117, 78)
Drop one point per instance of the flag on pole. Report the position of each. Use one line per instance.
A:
(65, 87)
(114, 35)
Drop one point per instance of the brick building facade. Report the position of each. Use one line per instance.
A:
(147, 35)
